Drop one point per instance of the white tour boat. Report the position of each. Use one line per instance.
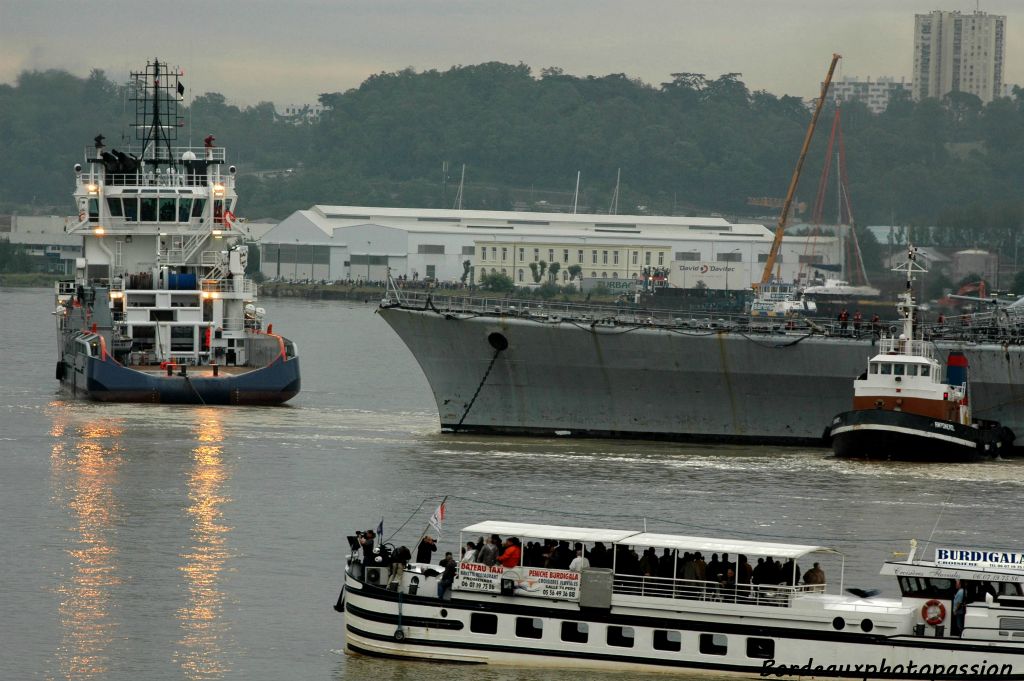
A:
(752, 622)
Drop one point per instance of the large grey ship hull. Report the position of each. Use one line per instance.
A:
(571, 376)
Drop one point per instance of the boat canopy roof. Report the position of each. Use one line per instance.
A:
(558, 532)
(651, 539)
(709, 545)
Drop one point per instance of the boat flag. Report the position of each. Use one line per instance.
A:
(438, 518)
(380, 529)
(181, 91)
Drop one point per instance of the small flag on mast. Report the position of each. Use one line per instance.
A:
(437, 518)
(181, 90)
(380, 529)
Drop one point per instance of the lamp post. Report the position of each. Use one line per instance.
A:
(735, 250)
(367, 263)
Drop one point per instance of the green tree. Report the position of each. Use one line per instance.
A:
(575, 272)
(553, 270)
(1017, 287)
(497, 282)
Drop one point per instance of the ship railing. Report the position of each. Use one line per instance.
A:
(774, 595)
(247, 287)
(201, 153)
(586, 312)
(906, 346)
(233, 324)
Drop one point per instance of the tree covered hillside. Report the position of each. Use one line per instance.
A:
(695, 144)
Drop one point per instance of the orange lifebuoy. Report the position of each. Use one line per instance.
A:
(933, 612)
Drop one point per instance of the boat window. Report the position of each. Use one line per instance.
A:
(911, 370)
(218, 211)
(482, 623)
(926, 587)
(184, 209)
(714, 644)
(886, 369)
(131, 209)
(94, 210)
(621, 637)
(671, 641)
(197, 208)
(925, 369)
(230, 202)
(898, 369)
(114, 206)
(529, 627)
(761, 648)
(575, 632)
(1011, 623)
(167, 210)
(874, 367)
(147, 210)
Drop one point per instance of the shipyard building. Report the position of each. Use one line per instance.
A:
(358, 243)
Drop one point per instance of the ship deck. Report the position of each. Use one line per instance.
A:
(1002, 326)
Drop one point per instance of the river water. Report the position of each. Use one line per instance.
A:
(163, 542)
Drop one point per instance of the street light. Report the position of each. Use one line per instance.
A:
(735, 250)
(367, 263)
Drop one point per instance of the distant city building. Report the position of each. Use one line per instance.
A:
(301, 113)
(956, 52)
(44, 237)
(874, 93)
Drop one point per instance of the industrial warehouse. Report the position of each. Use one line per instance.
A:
(359, 243)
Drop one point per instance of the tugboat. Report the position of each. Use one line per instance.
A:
(902, 409)
(160, 309)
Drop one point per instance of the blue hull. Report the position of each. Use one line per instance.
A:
(104, 380)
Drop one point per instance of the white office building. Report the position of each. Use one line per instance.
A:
(956, 52)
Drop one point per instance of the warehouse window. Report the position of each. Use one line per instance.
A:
(687, 256)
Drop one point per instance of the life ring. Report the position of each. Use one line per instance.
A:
(229, 217)
(933, 612)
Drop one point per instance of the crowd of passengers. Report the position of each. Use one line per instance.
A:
(561, 555)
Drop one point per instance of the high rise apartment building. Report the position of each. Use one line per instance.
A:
(956, 52)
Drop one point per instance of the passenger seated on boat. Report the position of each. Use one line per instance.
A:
(666, 564)
(511, 554)
(649, 563)
(486, 552)
(469, 553)
(714, 569)
(815, 577)
(790, 573)
(580, 561)
(600, 557)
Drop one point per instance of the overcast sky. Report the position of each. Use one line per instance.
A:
(289, 51)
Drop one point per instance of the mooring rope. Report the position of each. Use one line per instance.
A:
(479, 387)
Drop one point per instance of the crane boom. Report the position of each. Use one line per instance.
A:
(780, 229)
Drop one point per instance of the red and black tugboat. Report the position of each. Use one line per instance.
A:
(160, 309)
(903, 406)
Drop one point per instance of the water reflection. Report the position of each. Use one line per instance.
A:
(203, 653)
(84, 477)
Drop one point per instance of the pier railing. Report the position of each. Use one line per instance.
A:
(775, 595)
